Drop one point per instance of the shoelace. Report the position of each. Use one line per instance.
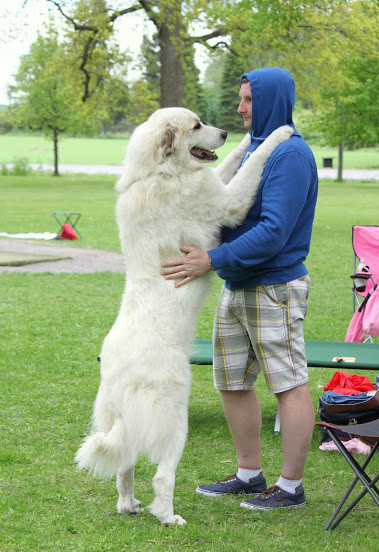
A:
(228, 478)
(274, 491)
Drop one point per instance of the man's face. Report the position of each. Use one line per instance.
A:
(245, 107)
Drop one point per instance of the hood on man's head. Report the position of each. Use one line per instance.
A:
(273, 99)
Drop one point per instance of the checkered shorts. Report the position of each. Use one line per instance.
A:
(261, 330)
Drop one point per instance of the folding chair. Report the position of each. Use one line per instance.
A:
(365, 278)
(67, 218)
(370, 432)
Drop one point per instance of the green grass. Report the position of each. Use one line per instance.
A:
(52, 327)
(27, 205)
(111, 151)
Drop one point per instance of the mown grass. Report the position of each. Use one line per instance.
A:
(111, 151)
(51, 329)
(28, 203)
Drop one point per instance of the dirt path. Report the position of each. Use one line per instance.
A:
(81, 261)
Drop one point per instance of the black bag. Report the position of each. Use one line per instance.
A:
(366, 410)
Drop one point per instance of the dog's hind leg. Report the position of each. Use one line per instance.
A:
(126, 503)
(164, 479)
(163, 483)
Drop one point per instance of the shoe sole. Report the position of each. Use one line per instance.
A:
(214, 494)
(254, 507)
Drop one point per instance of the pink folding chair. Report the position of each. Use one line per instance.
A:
(365, 322)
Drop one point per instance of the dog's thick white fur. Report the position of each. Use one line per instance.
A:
(167, 197)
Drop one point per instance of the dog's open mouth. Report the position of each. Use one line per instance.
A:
(204, 155)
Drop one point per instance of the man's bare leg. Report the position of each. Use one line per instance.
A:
(243, 414)
(297, 420)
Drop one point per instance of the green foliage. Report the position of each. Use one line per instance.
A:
(143, 102)
(20, 167)
(229, 100)
(348, 112)
(40, 90)
(331, 48)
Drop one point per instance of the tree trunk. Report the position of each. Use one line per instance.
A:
(340, 162)
(56, 172)
(171, 44)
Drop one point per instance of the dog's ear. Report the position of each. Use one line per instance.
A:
(167, 143)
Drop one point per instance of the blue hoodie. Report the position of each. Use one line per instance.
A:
(271, 245)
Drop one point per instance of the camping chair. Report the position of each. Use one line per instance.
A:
(370, 432)
(365, 287)
(67, 218)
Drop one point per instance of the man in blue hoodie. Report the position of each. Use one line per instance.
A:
(259, 318)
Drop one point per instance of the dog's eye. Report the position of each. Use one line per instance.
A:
(196, 127)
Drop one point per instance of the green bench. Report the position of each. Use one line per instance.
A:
(324, 354)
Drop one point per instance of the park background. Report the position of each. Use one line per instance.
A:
(52, 326)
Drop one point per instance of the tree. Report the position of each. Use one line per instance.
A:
(94, 22)
(347, 113)
(151, 73)
(331, 48)
(44, 98)
(227, 116)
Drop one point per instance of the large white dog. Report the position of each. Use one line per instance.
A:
(167, 197)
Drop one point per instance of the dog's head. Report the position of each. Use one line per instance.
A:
(172, 139)
(182, 134)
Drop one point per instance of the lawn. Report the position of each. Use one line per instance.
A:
(111, 151)
(52, 327)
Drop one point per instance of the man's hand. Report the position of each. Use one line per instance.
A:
(194, 264)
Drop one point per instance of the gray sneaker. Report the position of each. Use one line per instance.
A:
(233, 485)
(275, 497)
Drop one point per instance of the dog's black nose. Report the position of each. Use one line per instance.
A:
(224, 134)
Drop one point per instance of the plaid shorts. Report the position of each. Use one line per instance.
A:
(261, 330)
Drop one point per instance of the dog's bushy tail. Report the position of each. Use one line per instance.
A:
(103, 454)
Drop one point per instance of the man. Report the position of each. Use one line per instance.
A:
(259, 318)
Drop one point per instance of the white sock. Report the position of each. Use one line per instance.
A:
(245, 474)
(289, 485)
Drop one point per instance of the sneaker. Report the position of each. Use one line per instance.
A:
(233, 485)
(275, 497)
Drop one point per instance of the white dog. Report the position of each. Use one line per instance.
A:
(167, 197)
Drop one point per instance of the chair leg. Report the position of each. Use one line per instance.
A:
(277, 421)
(370, 485)
(351, 506)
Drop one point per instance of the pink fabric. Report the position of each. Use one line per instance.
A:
(355, 332)
(353, 445)
(366, 248)
(370, 321)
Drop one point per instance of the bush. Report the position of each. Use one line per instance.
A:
(19, 167)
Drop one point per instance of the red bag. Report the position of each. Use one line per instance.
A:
(349, 384)
(68, 232)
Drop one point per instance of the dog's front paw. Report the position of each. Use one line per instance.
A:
(129, 506)
(283, 133)
(174, 520)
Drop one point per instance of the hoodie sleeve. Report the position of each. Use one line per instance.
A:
(284, 195)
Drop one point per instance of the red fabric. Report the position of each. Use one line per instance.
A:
(349, 384)
(68, 233)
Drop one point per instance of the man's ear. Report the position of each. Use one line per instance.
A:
(167, 142)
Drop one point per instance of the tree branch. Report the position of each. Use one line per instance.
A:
(146, 5)
(120, 13)
(206, 37)
(77, 27)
